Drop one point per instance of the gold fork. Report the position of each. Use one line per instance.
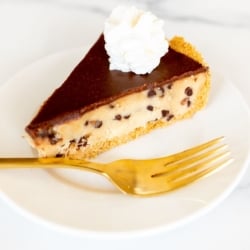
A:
(144, 177)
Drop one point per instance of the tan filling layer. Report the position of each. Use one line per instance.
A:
(126, 118)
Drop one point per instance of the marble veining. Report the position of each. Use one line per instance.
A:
(223, 13)
(208, 12)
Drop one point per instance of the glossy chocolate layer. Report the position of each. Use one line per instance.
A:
(92, 84)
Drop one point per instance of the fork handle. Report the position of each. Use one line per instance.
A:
(28, 162)
(50, 162)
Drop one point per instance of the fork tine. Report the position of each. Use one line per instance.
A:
(192, 151)
(194, 166)
(168, 163)
(180, 164)
(185, 180)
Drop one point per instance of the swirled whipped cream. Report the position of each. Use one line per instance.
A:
(134, 40)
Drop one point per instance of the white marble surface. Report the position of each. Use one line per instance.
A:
(30, 30)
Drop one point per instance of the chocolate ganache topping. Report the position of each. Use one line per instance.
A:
(91, 84)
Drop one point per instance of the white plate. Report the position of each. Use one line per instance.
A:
(84, 203)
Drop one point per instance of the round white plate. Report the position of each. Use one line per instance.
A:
(84, 203)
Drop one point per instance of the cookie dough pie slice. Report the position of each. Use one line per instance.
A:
(96, 108)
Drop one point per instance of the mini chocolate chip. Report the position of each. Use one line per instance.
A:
(53, 140)
(170, 117)
(151, 93)
(164, 112)
(188, 91)
(86, 123)
(169, 85)
(50, 134)
(150, 108)
(85, 143)
(118, 117)
(82, 142)
(126, 116)
(98, 124)
(42, 133)
(184, 101)
(59, 155)
(72, 141)
(111, 106)
(162, 91)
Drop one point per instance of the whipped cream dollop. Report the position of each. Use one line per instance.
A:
(134, 40)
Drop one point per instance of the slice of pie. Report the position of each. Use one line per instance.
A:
(96, 108)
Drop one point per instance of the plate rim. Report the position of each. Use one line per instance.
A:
(133, 232)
